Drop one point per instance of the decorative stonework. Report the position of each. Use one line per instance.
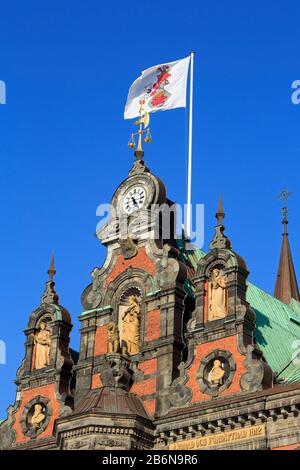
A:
(217, 295)
(116, 372)
(257, 373)
(94, 296)
(7, 433)
(36, 416)
(180, 395)
(42, 341)
(131, 327)
(128, 248)
(216, 372)
(113, 338)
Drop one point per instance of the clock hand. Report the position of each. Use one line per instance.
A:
(134, 201)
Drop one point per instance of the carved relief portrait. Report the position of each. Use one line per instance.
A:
(42, 341)
(217, 295)
(36, 416)
(216, 372)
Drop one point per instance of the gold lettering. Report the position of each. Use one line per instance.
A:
(220, 438)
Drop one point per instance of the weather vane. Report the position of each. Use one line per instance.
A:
(283, 196)
(143, 123)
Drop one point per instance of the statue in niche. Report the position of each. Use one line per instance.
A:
(113, 338)
(217, 295)
(131, 327)
(215, 376)
(38, 416)
(42, 341)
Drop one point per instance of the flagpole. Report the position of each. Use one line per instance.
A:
(189, 179)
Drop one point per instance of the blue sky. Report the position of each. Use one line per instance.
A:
(63, 141)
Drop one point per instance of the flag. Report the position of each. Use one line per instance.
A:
(159, 88)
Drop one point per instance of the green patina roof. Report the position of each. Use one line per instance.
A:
(277, 325)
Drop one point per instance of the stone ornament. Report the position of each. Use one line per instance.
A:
(128, 248)
(42, 341)
(180, 395)
(217, 307)
(113, 338)
(131, 327)
(36, 416)
(116, 371)
(94, 296)
(216, 372)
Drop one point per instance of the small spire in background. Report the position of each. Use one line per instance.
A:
(286, 287)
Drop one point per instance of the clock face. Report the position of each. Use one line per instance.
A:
(134, 199)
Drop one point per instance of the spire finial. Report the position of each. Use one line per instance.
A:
(283, 196)
(220, 240)
(51, 271)
(50, 296)
(220, 214)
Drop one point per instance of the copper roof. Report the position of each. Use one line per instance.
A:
(111, 400)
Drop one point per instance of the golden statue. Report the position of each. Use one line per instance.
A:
(38, 416)
(113, 337)
(131, 327)
(42, 341)
(217, 373)
(217, 296)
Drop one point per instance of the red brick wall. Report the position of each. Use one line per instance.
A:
(141, 260)
(147, 386)
(101, 343)
(150, 406)
(153, 325)
(27, 395)
(201, 351)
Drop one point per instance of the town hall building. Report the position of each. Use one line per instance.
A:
(178, 349)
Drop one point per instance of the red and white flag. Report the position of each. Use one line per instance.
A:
(159, 88)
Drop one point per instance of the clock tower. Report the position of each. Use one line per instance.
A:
(140, 288)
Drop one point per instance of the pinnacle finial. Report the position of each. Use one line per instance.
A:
(220, 214)
(51, 271)
(283, 196)
(50, 296)
(220, 240)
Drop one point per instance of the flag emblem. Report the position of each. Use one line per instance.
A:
(157, 91)
(162, 87)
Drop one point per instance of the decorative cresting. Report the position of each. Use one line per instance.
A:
(36, 416)
(220, 282)
(216, 372)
